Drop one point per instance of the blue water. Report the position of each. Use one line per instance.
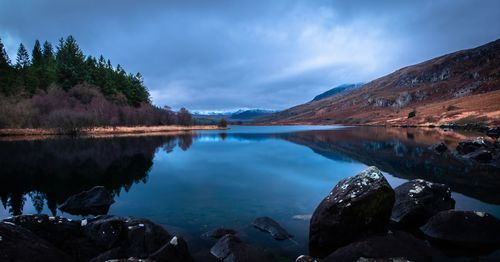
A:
(196, 182)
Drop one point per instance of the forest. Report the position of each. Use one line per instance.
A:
(63, 88)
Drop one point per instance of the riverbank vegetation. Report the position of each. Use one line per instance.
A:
(67, 90)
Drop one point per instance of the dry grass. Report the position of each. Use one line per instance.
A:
(103, 131)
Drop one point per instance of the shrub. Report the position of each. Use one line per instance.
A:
(223, 123)
(412, 114)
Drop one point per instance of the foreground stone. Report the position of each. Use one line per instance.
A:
(418, 200)
(271, 226)
(95, 201)
(399, 245)
(231, 249)
(20, 244)
(357, 206)
(463, 229)
(103, 238)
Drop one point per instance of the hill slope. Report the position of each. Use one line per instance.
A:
(337, 91)
(459, 87)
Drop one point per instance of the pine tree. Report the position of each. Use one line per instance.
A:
(4, 58)
(5, 71)
(23, 58)
(37, 55)
(70, 63)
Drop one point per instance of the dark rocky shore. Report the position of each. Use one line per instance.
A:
(362, 219)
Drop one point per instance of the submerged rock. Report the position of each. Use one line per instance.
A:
(440, 148)
(481, 155)
(463, 229)
(397, 245)
(231, 249)
(271, 226)
(357, 206)
(20, 244)
(219, 232)
(418, 200)
(95, 201)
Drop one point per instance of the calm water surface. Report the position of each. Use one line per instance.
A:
(194, 182)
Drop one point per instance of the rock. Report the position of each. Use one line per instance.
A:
(440, 148)
(304, 258)
(230, 249)
(384, 248)
(65, 234)
(418, 200)
(481, 155)
(20, 244)
(392, 259)
(176, 250)
(356, 206)
(493, 132)
(463, 229)
(106, 232)
(470, 146)
(96, 201)
(219, 232)
(271, 226)
(126, 237)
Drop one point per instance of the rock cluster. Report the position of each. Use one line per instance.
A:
(99, 239)
(364, 219)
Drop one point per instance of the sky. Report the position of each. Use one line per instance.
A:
(226, 55)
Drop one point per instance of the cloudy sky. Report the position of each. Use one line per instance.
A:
(223, 55)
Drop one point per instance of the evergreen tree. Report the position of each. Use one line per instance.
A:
(70, 63)
(23, 58)
(4, 58)
(5, 70)
(48, 75)
(37, 55)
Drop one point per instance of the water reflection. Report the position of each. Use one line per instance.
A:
(46, 172)
(405, 153)
(49, 171)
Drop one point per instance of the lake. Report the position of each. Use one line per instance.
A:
(194, 182)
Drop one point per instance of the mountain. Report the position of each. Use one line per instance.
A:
(251, 114)
(461, 87)
(337, 90)
(241, 115)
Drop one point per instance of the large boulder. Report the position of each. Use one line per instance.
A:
(231, 249)
(95, 201)
(274, 228)
(357, 206)
(383, 248)
(481, 155)
(20, 244)
(463, 229)
(418, 200)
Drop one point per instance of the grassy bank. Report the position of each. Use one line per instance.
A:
(97, 131)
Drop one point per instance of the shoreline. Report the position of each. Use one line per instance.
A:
(103, 131)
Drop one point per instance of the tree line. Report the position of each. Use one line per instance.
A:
(63, 87)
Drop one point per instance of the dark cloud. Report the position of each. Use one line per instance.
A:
(267, 54)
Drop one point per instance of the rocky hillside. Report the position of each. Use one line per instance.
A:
(462, 87)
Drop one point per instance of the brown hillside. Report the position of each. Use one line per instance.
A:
(462, 87)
